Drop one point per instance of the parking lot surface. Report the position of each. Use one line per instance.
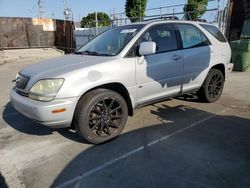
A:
(180, 142)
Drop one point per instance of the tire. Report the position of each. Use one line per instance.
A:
(212, 87)
(100, 115)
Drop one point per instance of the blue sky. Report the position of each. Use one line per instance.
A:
(29, 8)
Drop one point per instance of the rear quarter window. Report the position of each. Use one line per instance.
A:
(215, 32)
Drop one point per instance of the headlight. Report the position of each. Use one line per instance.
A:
(45, 90)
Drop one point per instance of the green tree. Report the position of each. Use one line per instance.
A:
(135, 9)
(195, 8)
(89, 20)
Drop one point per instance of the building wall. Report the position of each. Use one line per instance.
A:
(34, 32)
(247, 8)
(239, 11)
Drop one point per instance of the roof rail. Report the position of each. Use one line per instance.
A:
(201, 20)
(163, 18)
(170, 18)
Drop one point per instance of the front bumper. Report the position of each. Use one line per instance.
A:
(41, 112)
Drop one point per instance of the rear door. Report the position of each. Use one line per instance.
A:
(197, 54)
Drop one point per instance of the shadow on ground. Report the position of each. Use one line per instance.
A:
(2, 182)
(215, 153)
(27, 126)
(190, 97)
(212, 153)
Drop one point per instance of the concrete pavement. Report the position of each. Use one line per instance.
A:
(177, 143)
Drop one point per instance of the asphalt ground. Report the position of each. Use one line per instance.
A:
(180, 142)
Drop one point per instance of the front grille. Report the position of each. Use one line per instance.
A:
(22, 81)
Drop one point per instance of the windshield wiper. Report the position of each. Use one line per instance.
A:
(87, 52)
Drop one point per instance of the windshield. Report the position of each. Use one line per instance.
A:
(111, 42)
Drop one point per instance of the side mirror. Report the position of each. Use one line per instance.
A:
(147, 48)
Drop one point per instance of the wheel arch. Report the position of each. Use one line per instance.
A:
(220, 67)
(120, 89)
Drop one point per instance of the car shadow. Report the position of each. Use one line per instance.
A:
(190, 97)
(23, 124)
(177, 152)
(2, 182)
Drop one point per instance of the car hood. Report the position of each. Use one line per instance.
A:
(61, 65)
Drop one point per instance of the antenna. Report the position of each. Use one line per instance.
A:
(41, 8)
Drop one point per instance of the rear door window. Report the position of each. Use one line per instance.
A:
(191, 36)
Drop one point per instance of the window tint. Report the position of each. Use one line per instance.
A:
(215, 32)
(163, 35)
(191, 36)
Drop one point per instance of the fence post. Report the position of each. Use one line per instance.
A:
(27, 35)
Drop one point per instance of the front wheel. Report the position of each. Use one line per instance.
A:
(212, 87)
(101, 115)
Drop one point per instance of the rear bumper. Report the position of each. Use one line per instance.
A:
(41, 112)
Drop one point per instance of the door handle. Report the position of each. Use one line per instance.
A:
(176, 57)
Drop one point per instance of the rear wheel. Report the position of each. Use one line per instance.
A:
(212, 87)
(101, 115)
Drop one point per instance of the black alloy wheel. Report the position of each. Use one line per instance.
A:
(215, 86)
(105, 117)
(212, 87)
(100, 115)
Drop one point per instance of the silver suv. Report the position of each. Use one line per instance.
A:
(96, 88)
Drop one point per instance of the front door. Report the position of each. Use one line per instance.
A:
(159, 75)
